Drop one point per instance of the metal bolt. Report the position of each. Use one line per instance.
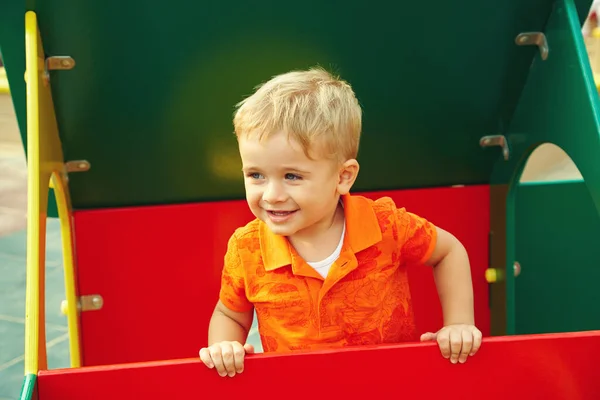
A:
(97, 302)
(517, 268)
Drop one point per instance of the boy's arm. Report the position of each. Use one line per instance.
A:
(227, 334)
(228, 329)
(459, 337)
(452, 274)
(227, 325)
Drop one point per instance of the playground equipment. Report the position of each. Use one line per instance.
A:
(125, 111)
(3, 81)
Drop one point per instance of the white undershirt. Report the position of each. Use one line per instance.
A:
(322, 267)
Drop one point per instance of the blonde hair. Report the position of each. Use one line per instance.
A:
(314, 107)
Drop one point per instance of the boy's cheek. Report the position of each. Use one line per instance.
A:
(252, 195)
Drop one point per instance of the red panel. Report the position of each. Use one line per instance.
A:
(465, 212)
(549, 367)
(158, 270)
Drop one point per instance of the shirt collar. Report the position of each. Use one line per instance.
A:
(362, 230)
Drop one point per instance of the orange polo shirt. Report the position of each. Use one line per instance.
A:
(365, 298)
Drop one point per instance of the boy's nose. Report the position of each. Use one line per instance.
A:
(274, 194)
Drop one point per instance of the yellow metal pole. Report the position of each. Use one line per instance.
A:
(4, 88)
(63, 202)
(45, 160)
(37, 200)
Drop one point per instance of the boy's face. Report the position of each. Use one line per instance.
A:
(293, 194)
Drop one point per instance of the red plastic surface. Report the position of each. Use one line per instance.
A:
(465, 212)
(158, 270)
(549, 367)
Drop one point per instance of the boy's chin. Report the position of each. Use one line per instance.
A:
(280, 230)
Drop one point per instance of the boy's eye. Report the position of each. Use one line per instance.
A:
(292, 177)
(254, 175)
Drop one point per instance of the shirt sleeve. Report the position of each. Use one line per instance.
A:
(233, 287)
(417, 237)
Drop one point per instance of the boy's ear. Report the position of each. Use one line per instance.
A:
(348, 174)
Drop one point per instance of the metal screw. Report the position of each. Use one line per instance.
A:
(517, 268)
(97, 302)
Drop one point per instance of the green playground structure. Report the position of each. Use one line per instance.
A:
(125, 112)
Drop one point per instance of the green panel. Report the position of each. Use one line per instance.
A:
(150, 101)
(557, 246)
(28, 390)
(559, 104)
(12, 48)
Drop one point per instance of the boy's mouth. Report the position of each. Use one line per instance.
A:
(280, 213)
(280, 216)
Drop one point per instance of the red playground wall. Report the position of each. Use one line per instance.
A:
(548, 367)
(158, 270)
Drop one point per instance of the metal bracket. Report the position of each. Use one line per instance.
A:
(91, 302)
(536, 39)
(496, 140)
(77, 166)
(60, 63)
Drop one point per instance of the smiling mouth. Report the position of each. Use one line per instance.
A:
(280, 213)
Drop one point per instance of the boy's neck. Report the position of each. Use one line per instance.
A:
(317, 245)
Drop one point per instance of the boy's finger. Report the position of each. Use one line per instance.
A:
(238, 356)
(217, 359)
(249, 348)
(467, 345)
(228, 358)
(443, 340)
(477, 338)
(428, 337)
(455, 345)
(205, 358)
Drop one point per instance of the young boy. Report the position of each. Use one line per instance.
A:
(323, 268)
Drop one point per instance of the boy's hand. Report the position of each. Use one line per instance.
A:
(456, 342)
(226, 357)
